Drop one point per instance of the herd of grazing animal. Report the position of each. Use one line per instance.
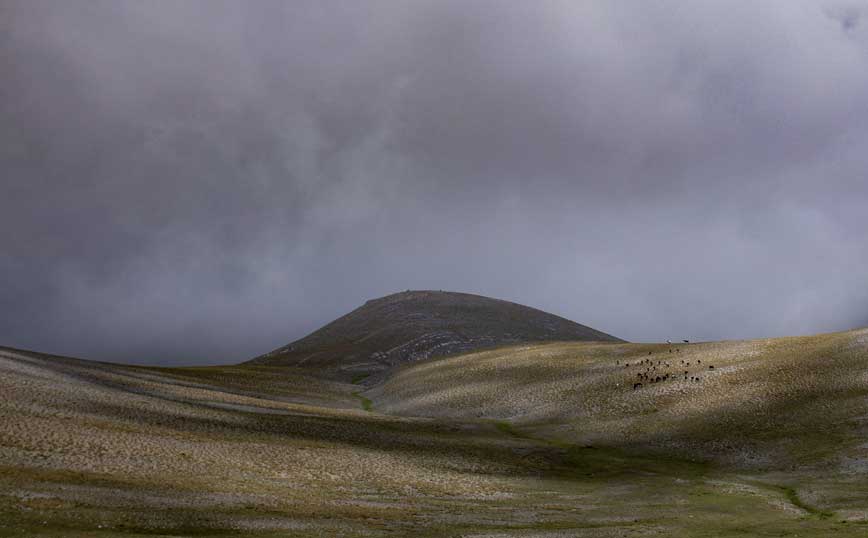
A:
(659, 371)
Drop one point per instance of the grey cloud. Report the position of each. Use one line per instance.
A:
(202, 181)
(849, 15)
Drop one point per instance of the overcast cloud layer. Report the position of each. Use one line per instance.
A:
(203, 181)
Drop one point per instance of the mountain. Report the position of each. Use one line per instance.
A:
(414, 325)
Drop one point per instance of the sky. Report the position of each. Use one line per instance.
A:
(202, 181)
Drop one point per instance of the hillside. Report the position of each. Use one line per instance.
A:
(534, 440)
(416, 325)
(763, 404)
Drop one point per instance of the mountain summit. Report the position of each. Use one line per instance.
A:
(415, 325)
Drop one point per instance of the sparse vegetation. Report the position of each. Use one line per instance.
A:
(535, 440)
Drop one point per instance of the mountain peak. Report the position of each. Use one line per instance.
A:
(419, 324)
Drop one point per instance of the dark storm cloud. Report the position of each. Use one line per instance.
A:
(201, 181)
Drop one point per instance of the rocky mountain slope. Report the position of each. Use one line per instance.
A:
(415, 325)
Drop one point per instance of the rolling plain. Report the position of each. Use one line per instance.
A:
(533, 439)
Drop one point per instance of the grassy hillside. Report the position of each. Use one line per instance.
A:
(542, 440)
(759, 404)
(416, 325)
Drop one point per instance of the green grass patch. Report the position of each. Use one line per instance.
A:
(793, 497)
(509, 429)
(606, 462)
(358, 378)
(367, 404)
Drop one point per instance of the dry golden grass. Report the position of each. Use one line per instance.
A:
(487, 444)
(746, 412)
